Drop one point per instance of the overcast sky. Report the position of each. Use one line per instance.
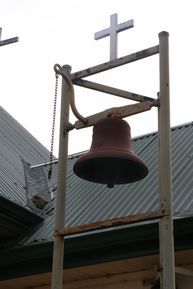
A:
(62, 32)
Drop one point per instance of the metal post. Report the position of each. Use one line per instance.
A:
(167, 262)
(58, 249)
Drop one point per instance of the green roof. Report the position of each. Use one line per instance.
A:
(88, 202)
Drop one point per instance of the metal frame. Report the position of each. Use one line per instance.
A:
(125, 220)
(167, 261)
(167, 267)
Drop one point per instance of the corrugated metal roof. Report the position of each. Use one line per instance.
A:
(16, 142)
(88, 202)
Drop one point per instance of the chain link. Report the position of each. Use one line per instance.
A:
(53, 127)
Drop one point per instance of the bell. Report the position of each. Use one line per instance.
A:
(110, 159)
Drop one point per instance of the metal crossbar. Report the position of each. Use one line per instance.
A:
(115, 63)
(83, 228)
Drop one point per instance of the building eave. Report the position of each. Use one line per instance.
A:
(99, 247)
(16, 219)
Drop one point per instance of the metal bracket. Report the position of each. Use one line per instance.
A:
(119, 112)
(68, 127)
(58, 70)
(112, 90)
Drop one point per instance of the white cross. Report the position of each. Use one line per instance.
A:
(112, 31)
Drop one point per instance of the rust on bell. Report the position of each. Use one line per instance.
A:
(110, 159)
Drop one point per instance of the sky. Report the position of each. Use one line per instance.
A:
(58, 31)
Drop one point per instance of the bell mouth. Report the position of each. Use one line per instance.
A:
(108, 167)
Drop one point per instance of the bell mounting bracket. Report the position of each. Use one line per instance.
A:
(118, 112)
(145, 103)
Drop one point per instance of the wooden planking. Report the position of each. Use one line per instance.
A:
(128, 273)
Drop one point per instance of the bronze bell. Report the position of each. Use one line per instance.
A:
(110, 159)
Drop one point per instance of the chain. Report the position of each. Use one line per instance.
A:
(53, 127)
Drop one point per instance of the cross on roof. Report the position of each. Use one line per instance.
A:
(112, 31)
(7, 41)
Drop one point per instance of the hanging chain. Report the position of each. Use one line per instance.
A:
(53, 128)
